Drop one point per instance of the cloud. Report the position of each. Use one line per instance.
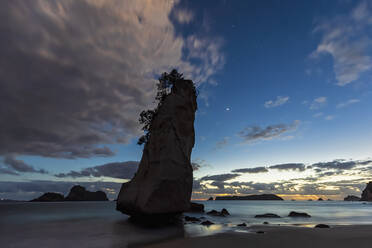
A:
(183, 16)
(318, 103)
(347, 103)
(340, 164)
(256, 133)
(329, 117)
(318, 115)
(280, 100)
(122, 170)
(220, 177)
(81, 71)
(15, 165)
(251, 170)
(222, 143)
(289, 166)
(346, 39)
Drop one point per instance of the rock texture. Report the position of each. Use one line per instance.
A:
(49, 197)
(79, 193)
(250, 197)
(367, 193)
(352, 198)
(163, 182)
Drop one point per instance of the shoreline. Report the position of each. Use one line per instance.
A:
(339, 236)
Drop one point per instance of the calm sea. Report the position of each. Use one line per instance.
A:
(98, 224)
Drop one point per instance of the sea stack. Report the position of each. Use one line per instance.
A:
(162, 185)
(367, 193)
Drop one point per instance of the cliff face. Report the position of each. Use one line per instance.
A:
(79, 193)
(163, 182)
(367, 193)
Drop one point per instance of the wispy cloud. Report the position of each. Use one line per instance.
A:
(256, 133)
(329, 117)
(346, 39)
(280, 100)
(251, 170)
(222, 143)
(347, 103)
(289, 166)
(318, 103)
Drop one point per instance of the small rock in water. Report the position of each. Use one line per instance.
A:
(207, 223)
(268, 215)
(322, 226)
(265, 223)
(299, 214)
(223, 212)
(196, 207)
(243, 224)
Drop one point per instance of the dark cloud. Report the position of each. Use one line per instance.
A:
(220, 177)
(76, 74)
(122, 170)
(340, 164)
(251, 170)
(289, 166)
(256, 133)
(15, 165)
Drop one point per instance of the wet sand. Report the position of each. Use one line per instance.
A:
(280, 236)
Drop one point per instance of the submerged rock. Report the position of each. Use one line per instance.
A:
(79, 193)
(196, 207)
(367, 193)
(352, 198)
(163, 182)
(242, 224)
(299, 214)
(49, 197)
(268, 215)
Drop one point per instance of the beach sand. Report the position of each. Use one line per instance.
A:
(280, 236)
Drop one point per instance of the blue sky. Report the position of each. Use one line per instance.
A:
(280, 82)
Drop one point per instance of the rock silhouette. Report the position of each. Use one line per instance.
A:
(367, 193)
(49, 197)
(352, 198)
(163, 182)
(79, 193)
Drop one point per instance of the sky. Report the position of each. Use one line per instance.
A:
(285, 89)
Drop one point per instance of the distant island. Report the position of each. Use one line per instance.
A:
(77, 193)
(250, 197)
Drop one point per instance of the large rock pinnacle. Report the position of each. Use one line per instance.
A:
(367, 193)
(163, 182)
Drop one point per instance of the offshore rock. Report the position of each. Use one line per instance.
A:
(352, 198)
(79, 193)
(367, 193)
(49, 197)
(163, 182)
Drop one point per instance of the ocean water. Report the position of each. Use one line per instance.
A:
(98, 224)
